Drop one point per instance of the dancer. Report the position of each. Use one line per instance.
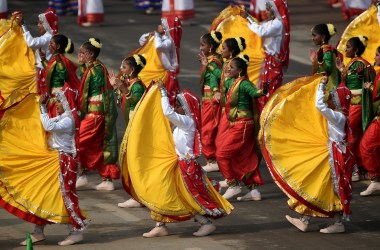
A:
(166, 41)
(324, 59)
(341, 160)
(370, 143)
(90, 12)
(130, 90)
(46, 193)
(150, 6)
(167, 165)
(183, 9)
(47, 26)
(354, 75)
(64, 7)
(275, 32)
(210, 97)
(235, 152)
(97, 135)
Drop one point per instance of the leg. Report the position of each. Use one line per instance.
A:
(37, 236)
(207, 227)
(158, 231)
(301, 223)
(130, 203)
(253, 194)
(232, 190)
(74, 236)
(337, 227)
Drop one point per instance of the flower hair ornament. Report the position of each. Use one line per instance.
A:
(95, 43)
(213, 35)
(331, 29)
(138, 60)
(363, 40)
(240, 44)
(67, 49)
(244, 59)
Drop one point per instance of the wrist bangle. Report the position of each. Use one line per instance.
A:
(24, 28)
(43, 109)
(321, 62)
(371, 87)
(163, 92)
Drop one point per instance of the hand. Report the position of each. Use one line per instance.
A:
(320, 55)
(160, 84)
(265, 88)
(324, 80)
(42, 55)
(17, 16)
(113, 79)
(203, 59)
(339, 63)
(360, 70)
(367, 85)
(217, 96)
(312, 55)
(44, 98)
(243, 13)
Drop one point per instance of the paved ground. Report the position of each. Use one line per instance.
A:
(253, 225)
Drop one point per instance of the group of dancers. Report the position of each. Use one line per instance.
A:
(66, 126)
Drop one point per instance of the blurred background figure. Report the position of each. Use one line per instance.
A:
(3, 9)
(64, 7)
(184, 9)
(90, 12)
(150, 7)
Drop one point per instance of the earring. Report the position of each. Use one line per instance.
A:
(239, 74)
(210, 51)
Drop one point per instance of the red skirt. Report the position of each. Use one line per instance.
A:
(356, 131)
(210, 120)
(370, 149)
(272, 74)
(235, 151)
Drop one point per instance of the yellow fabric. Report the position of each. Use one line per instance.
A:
(290, 118)
(231, 25)
(150, 164)
(365, 24)
(29, 170)
(153, 70)
(17, 63)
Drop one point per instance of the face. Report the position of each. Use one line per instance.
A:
(350, 50)
(59, 108)
(126, 69)
(317, 38)
(377, 58)
(41, 28)
(233, 70)
(205, 48)
(160, 29)
(85, 55)
(269, 11)
(53, 47)
(178, 108)
(226, 53)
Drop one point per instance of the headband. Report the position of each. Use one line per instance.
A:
(67, 49)
(331, 29)
(95, 43)
(244, 59)
(138, 60)
(213, 35)
(240, 44)
(363, 40)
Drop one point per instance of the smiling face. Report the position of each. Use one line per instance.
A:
(178, 108)
(204, 47)
(269, 12)
(350, 50)
(233, 71)
(53, 47)
(126, 69)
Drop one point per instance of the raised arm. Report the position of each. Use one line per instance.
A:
(331, 115)
(267, 29)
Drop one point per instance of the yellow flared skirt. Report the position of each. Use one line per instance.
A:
(231, 24)
(29, 170)
(365, 24)
(17, 63)
(294, 142)
(150, 165)
(153, 70)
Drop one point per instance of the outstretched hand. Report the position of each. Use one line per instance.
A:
(160, 84)
(17, 16)
(44, 98)
(203, 58)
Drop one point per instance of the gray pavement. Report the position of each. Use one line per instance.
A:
(252, 225)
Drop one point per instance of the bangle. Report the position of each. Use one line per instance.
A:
(163, 92)
(321, 62)
(371, 87)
